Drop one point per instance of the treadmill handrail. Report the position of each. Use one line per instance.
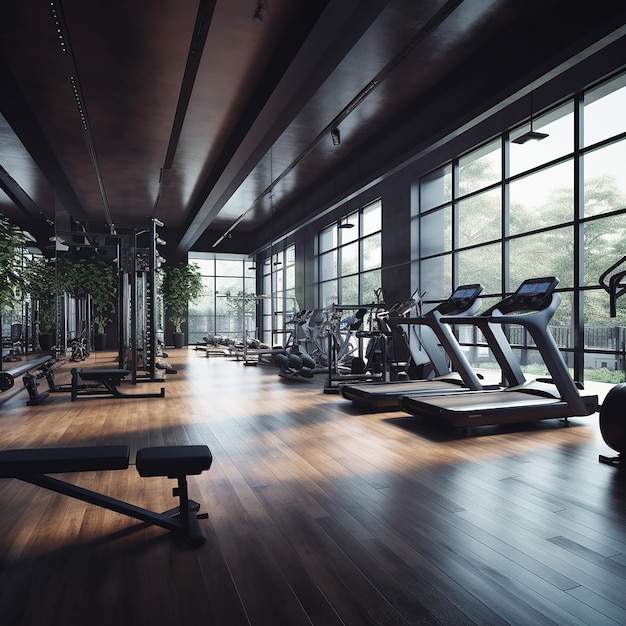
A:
(536, 322)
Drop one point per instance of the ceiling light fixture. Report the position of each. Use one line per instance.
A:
(335, 136)
(261, 9)
(531, 135)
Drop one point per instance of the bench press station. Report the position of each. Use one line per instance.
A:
(104, 381)
(32, 465)
(85, 382)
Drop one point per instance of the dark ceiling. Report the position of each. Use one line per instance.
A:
(190, 111)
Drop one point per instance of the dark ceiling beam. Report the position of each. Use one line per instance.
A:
(297, 72)
(196, 47)
(460, 103)
(19, 115)
(19, 197)
(71, 71)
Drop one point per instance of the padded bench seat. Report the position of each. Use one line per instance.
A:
(173, 461)
(34, 465)
(20, 462)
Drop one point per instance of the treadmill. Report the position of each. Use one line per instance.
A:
(385, 396)
(531, 306)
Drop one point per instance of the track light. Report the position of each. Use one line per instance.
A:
(335, 136)
(531, 135)
(261, 9)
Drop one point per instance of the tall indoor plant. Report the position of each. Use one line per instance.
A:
(12, 283)
(41, 285)
(181, 284)
(97, 278)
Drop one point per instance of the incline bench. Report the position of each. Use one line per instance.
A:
(33, 465)
(104, 381)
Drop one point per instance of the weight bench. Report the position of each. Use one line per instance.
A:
(104, 381)
(7, 377)
(33, 466)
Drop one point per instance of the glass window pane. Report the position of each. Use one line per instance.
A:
(605, 333)
(481, 265)
(349, 259)
(436, 232)
(328, 294)
(372, 252)
(480, 168)
(604, 111)
(436, 277)
(328, 265)
(328, 239)
(350, 290)
(290, 277)
(372, 218)
(228, 268)
(544, 254)
(436, 188)
(480, 218)
(545, 198)
(559, 125)
(370, 282)
(605, 244)
(605, 183)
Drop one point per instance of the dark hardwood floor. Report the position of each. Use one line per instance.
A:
(318, 514)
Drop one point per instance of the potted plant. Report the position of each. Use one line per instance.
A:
(181, 284)
(97, 278)
(41, 285)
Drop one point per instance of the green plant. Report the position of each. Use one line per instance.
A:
(41, 284)
(181, 284)
(94, 277)
(12, 282)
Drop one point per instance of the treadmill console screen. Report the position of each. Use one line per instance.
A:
(461, 300)
(532, 295)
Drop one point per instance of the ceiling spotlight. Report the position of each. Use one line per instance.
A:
(335, 136)
(261, 9)
(531, 135)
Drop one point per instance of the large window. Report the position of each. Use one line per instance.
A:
(508, 211)
(278, 300)
(349, 258)
(228, 306)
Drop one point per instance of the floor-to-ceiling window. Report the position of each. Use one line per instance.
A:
(349, 258)
(278, 299)
(228, 306)
(511, 210)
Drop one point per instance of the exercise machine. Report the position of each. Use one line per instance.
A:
(84, 382)
(532, 306)
(613, 424)
(386, 396)
(28, 369)
(613, 411)
(33, 465)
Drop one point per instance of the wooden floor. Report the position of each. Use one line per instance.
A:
(318, 514)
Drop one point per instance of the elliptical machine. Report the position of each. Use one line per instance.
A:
(612, 414)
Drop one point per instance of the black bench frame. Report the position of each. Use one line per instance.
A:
(104, 381)
(7, 377)
(34, 465)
